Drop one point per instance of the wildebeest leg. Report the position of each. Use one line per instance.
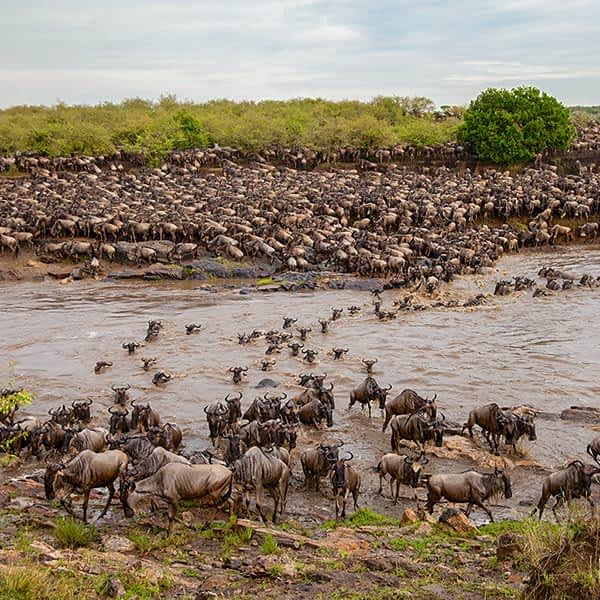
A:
(344, 500)
(259, 503)
(355, 498)
(276, 499)
(397, 491)
(369, 405)
(172, 515)
(487, 510)
(469, 509)
(111, 493)
(381, 478)
(67, 505)
(86, 499)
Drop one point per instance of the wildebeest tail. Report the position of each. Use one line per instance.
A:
(227, 494)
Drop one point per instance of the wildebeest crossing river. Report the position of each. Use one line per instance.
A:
(513, 350)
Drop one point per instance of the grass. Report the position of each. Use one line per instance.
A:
(269, 545)
(563, 559)
(74, 534)
(364, 517)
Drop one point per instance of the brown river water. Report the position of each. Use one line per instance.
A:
(517, 349)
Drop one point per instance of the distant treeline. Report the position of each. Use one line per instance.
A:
(157, 128)
(583, 113)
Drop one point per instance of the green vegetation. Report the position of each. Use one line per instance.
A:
(73, 534)
(156, 128)
(361, 518)
(269, 545)
(563, 559)
(508, 126)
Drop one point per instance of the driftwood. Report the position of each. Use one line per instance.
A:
(283, 538)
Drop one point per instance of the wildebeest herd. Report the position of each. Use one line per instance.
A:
(405, 225)
(253, 448)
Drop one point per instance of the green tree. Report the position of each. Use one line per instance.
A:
(507, 126)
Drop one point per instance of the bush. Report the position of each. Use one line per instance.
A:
(508, 126)
(73, 534)
(269, 545)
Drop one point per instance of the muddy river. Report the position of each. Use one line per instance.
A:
(517, 349)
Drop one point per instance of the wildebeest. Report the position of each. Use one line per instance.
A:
(161, 377)
(131, 347)
(402, 470)
(143, 416)
(95, 439)
(177, 481)
(408, 401)
(237, 373)
(86, 471)
(121, 395)
(515, 426)
(316, 462)
(593, 448)
(574, 481)
(314, 412)
(81, 411)
(345, 480)
(369, 391)
(491, 420)
(159, 457)
(258, 470)
(169, 436)
(471, 487)
(416, 428)
(118, 423)
(102, 365)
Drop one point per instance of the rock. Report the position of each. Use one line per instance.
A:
(113, 588)
(435, 591)
(583, 414)
(158, 271)
(204, 595)
(264, 383)
(409, 516)
(117, 543)
(77, 274)
(458, 521)
(45, 552)
(508, 545)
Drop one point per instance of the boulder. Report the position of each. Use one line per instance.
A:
(117, 543)
(158, 271)
(409, 516)
(583, 414)
(113, 588)
(458, 521)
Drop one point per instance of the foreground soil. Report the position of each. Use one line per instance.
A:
(364, 556)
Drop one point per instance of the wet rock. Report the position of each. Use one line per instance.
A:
(409, 516)
(508, 545)
(158, 271)
(117, 543)
(209, 267)
(77, 274)
(44, 551)
(59, 272)
(113, 588)
(458, 521)
(583, 414)
(266, 383)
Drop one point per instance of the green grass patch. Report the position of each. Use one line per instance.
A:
(269, 545)
(71, 533)
(364, 517)
(264, 281)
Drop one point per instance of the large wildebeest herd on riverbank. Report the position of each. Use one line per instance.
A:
(254, 447)
(408, 225)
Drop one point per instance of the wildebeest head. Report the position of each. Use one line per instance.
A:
(382, 395)
(118, 420)
(431, 408)
(61, 415)
(527, 425)
(237, 373)
(234, 448)
(436, 430)
(81, 410)
(216, 415)
(338, 479)
(504, 480)
(121, 395)
(331, 452)
(234, 406)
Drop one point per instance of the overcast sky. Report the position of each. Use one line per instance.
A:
(79, 51)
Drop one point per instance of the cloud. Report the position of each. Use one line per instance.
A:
(200, 49)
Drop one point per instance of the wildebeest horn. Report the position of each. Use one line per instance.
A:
(133, 403)
(434, 397)
(89, 401)
(125, 387)
(351, 456)
(330, 387)
(52, 411)
(113, 387)
(340, 444)
(245, 369)
(111, 410)
(443, 417)
(206, 409)
(230, 370)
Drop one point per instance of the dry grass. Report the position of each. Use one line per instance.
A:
(564, 559)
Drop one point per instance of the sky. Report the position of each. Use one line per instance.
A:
(83, 52)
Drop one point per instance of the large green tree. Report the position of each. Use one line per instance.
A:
(507, 126)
